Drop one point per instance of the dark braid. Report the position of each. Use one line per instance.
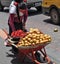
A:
(17, 10)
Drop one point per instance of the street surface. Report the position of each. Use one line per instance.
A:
(35, 20)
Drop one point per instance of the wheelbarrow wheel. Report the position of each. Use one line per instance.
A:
(40, 58)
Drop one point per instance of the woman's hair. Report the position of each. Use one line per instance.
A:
(19, 1)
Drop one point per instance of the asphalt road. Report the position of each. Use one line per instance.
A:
(35, 20)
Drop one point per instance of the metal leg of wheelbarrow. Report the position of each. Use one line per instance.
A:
(46, 57)
(31, 55)
(33, 58)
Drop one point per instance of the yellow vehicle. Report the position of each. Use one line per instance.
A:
(52, 8)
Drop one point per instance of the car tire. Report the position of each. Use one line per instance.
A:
(54, 16)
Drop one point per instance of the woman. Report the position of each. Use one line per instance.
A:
(18, 16)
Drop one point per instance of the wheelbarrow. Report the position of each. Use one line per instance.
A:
(33, 54)
(30, 51)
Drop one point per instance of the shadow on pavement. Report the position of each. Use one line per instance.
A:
(6, 11)
(19, 60)
(50, 21)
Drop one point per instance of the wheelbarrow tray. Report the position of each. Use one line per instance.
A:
(34, 47)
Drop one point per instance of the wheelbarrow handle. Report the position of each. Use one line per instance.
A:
(7, 34)
(4, 35)
(14, 45)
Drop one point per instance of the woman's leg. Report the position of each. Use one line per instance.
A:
(10, 30)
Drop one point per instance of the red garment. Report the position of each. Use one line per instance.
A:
(13, 18)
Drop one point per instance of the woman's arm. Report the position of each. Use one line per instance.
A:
(25, 16)
(11, 22)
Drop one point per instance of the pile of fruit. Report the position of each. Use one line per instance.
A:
(34, 37)
(18, 33)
